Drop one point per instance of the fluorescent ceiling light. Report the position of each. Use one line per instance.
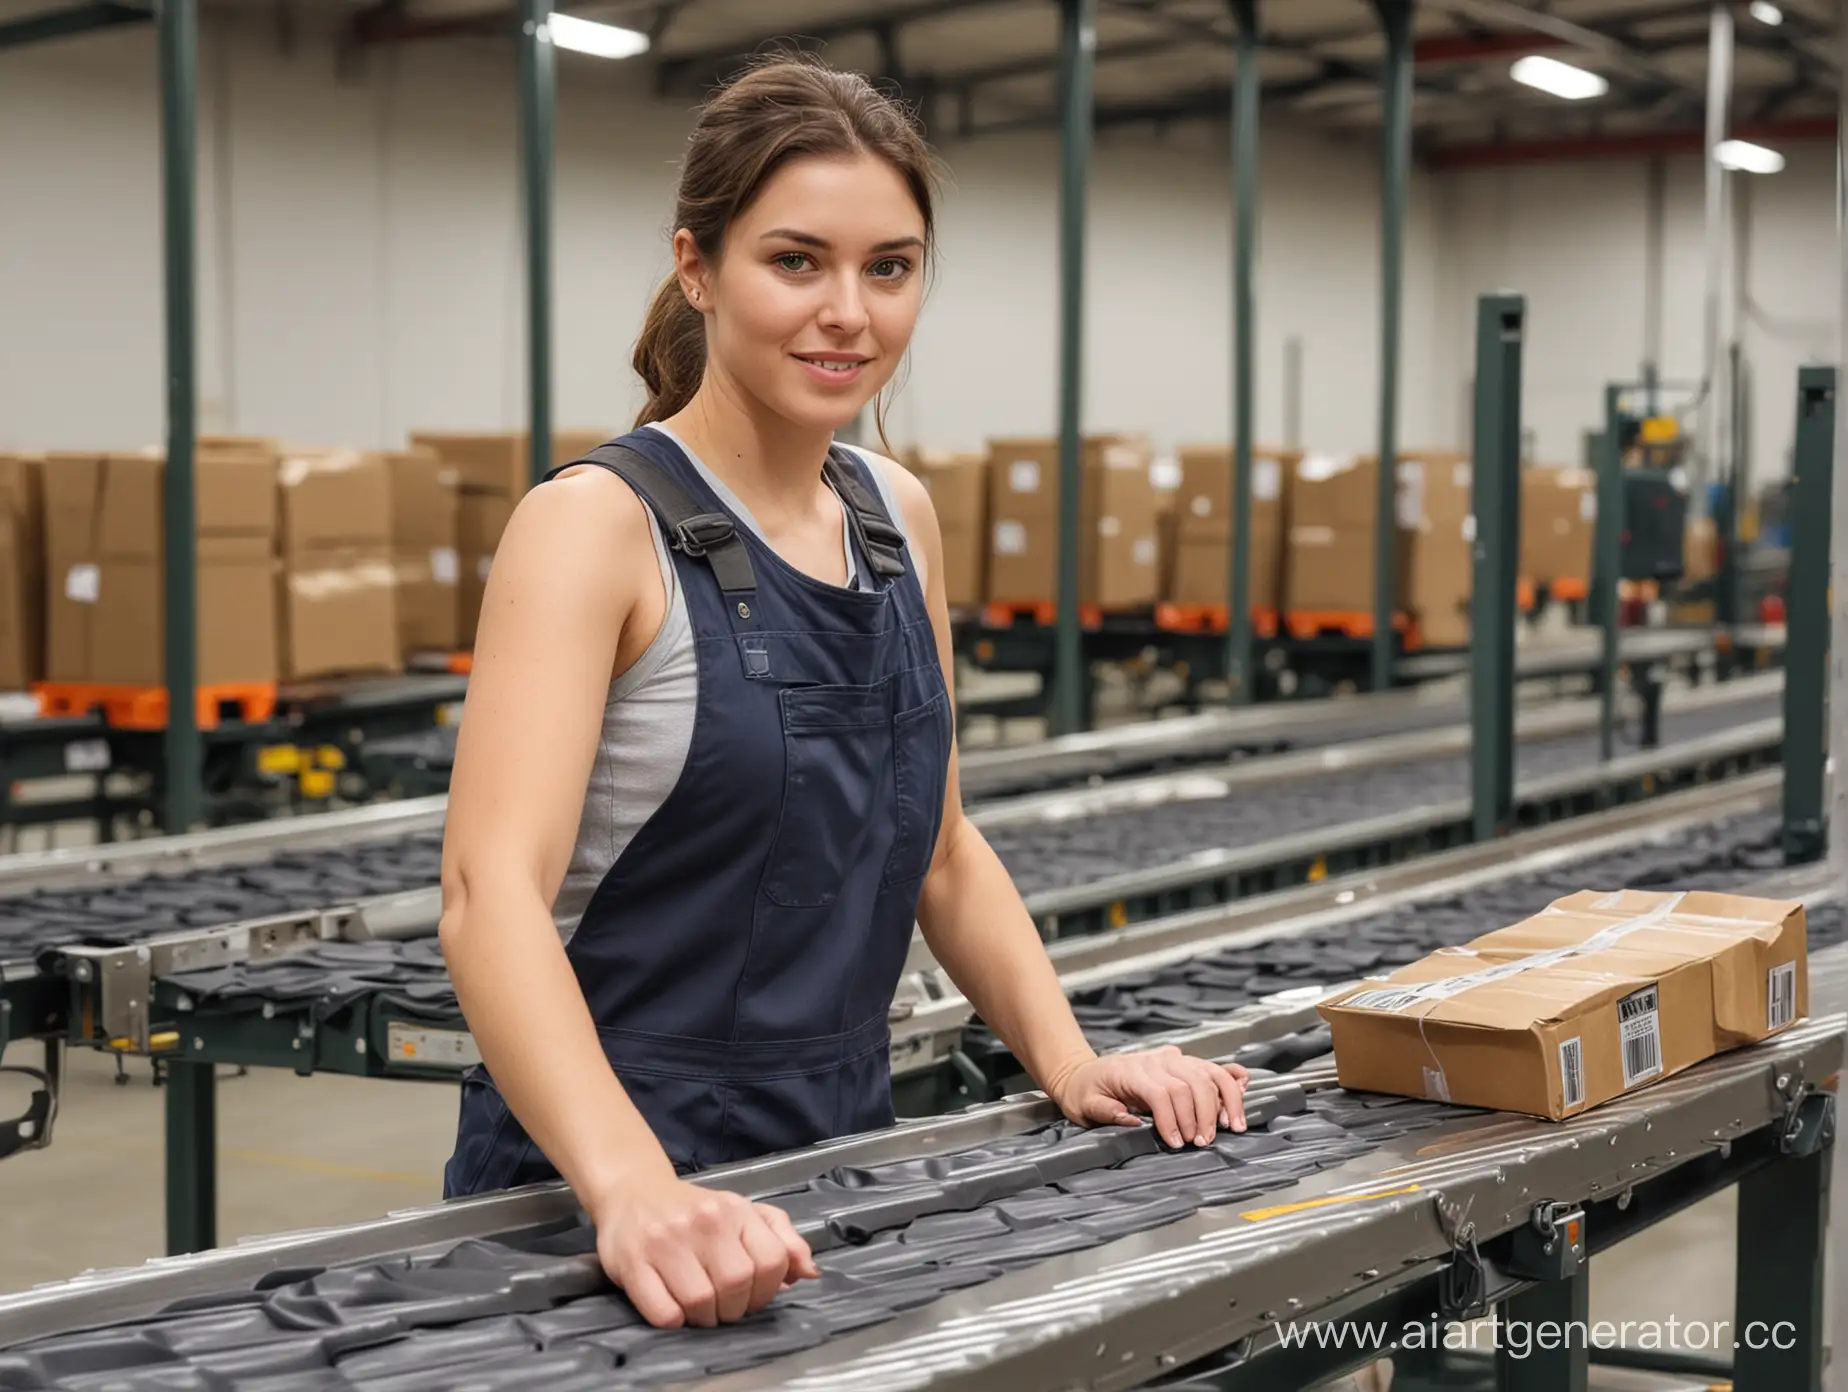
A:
(1560, 79)
(1766, 13)
(599, 40)
(1747, 157)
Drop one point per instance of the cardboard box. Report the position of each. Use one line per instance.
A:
(339, 593)
(1328, 564)
(1204, 521)
(1595, 996)
(1559, 519)
(425, 556)
(1700, 549)
(105, 579)
(1119, 553)
(22, 571)
(958, 487)
(495, 462)
(1433, 501)
(480, 520)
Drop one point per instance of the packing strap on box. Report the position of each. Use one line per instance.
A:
(1399, 1000)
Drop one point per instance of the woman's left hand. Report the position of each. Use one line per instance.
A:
(1190, 1098)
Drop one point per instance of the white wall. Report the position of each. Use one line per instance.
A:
(1573, 238)
(361, 266)
(360, 257)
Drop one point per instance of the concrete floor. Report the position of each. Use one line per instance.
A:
(293, 1153)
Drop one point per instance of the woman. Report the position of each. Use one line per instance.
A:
(707, 779)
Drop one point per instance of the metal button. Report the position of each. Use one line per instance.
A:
(744, 610)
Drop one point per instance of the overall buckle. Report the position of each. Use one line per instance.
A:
(698, 535)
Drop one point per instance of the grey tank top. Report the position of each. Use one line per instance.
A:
(648, 713)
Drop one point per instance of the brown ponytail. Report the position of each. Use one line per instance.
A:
(670, 355)
(784, 107)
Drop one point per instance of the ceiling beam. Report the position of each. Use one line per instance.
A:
(703, 67)
(1211, 102)
(1454, 48)
(1614, 50)
(67, 23)
(1688, 140)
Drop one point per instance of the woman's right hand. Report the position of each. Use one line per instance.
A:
(689, 1255)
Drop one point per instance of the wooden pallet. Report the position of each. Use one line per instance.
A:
(1210, 618)
(145, 707)
(1304, 624)
(1009, 613)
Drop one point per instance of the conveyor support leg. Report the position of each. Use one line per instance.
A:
(192, 1157)
(1806, 654)
(1543, 1342)
(1778, 1312)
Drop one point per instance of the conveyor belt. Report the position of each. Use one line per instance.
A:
(1211, 735)
(1057, 853)
(203, 898)
(522, 1311)
(1043, 856)
(1719, 856)
(1071, 1227)
(411, 973)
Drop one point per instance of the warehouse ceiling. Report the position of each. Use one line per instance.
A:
(984, 67)
(978, 67)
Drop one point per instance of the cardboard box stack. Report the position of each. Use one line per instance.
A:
(491, 475)
(339, 593)
(1433, 503)
(1118, 552)
(105, 557)
(424, 547)
(1203, 521)
(22, 571)
(1559, 515)
(1328, 565)
(958, 486)
(1700, 549)
(1595, 996)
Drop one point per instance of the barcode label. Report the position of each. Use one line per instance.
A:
(1383, 1000)
(1781, 996)
(1572, 1070)
(1639, 1024)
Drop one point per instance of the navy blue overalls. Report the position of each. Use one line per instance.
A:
(740, 957)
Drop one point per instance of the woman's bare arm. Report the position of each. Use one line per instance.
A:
(980, 932)
(575, 595)
(569, 576)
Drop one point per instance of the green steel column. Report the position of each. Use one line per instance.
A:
(1781, 1249)
(192, 1157)
(538, 94)
(1395, 169)
(184, 755)
(1244, 406)
(1077, 50)
(1554, 1324)
(1726, 525)
(1608, 555)
(1495, 502)
(1806, 645)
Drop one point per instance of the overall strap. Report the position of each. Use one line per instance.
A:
(883, 543)
(690, 529)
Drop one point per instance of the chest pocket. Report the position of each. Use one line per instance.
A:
(837, 748)
(921, 759)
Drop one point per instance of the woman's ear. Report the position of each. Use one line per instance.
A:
(692, 269)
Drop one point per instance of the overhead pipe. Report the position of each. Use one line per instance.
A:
(1713, 392)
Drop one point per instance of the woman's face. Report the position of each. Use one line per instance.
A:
(812, 306)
